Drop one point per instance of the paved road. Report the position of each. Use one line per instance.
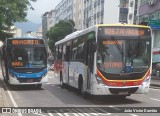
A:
(52, 95)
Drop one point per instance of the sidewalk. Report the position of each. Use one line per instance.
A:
(3, 98)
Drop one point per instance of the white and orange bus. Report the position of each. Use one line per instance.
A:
(106, 60)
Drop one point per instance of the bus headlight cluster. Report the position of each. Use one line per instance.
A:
(11, 75)
(99, 80)
(147, 80)
(44, 75)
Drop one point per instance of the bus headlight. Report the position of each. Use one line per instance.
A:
(11, 75)
(44, 75)
(99, 80)
(147, 80)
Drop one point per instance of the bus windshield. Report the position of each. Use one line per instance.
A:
(123, 54)
(28, 57)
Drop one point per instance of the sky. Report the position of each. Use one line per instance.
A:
(41, 6)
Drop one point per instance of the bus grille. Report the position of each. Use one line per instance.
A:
(29, 80)
(118, 90)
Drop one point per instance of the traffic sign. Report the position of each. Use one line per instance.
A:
(154, 24)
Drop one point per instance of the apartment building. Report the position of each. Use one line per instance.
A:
(100, 12)
(44, 24)
(16, 31)
(64, 10)
(78, 13)
(150, 10)
(51, 19)
(128, 11)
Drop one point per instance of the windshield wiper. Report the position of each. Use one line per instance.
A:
(118, 46)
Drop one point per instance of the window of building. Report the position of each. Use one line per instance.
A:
(131, 4)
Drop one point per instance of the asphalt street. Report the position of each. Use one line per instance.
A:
(52, 95)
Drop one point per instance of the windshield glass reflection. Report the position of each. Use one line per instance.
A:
(27, 57)
(123, 56)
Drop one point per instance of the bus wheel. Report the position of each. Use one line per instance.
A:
(61, 81)
(6, 78)
(38, 86)
(84, 94)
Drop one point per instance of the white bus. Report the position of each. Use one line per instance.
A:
(106, 60)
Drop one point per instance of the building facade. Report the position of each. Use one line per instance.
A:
(100, 12)
(150, 10)
(128, 11)
(16, 31)
(64, 10)
(51, 19)
(78, 13)
(45, 24)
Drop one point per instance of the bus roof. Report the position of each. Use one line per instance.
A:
(76, 34)
(93, 28)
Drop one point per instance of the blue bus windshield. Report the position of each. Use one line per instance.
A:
(28, 57)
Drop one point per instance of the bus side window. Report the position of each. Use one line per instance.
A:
(67, 53)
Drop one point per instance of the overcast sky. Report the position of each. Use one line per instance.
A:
(41, 6)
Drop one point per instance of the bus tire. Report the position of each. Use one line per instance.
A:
(81, 88)
(6, 78)
(61, 81)
(38, 86)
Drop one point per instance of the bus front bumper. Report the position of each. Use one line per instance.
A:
(15, 81)
(127, 90)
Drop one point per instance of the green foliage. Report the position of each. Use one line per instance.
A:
(59, 31)
(12, 11)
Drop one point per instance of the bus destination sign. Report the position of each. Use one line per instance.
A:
(121, 31)
(25, 42)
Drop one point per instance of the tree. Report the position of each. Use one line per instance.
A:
(59, 31)
(12, 11)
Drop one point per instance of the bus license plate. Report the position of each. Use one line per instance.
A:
(123, 92)
(29, 80)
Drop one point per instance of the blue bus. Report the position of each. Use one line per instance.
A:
(24, 61)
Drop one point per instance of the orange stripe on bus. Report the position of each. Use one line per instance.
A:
(122, 82)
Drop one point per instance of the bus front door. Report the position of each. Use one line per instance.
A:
(90, 61)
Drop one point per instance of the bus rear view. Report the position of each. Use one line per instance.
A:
(24, 61)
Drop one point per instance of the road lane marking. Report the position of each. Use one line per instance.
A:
(50, 114)
(12, 99)
(48, 83)
(114, 108)
(49, 77)
(39, 114)
(133, 114)
(154, 99)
